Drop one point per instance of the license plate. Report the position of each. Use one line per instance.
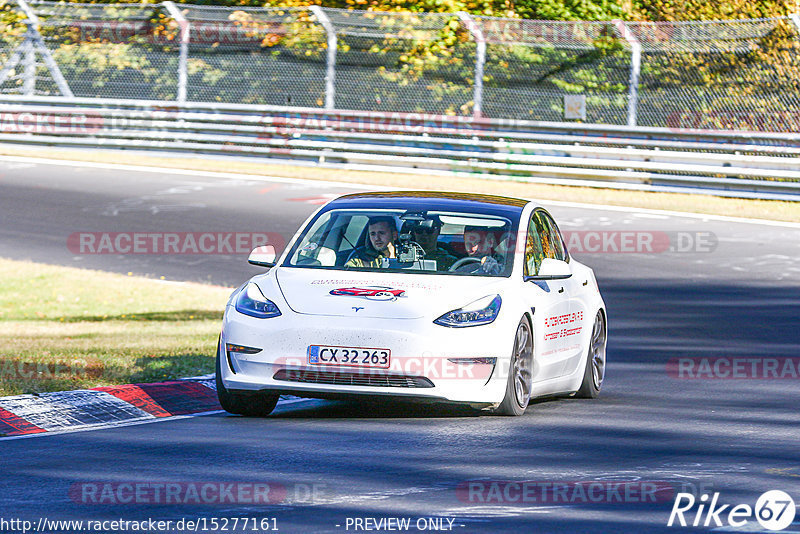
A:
(349, 356)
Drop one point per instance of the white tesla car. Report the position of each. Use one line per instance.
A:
(428, 296)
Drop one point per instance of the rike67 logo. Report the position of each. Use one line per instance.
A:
(774, 510)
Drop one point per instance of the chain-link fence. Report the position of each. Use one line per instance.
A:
(255, 56)
(115, 51)
(726, 74)
(532, 65)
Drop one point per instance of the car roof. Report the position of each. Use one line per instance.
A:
(437, 200)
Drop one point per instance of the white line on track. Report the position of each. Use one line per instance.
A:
(188, 172)
(356, 186)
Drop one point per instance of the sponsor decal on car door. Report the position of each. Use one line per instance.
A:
(574, 325)
(550, 301)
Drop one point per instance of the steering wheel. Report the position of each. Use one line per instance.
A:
(464, 261)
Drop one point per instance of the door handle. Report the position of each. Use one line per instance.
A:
(561, 290)
(586, 282)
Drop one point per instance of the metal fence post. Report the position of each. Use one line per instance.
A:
(330, 72)
(32, 44)
(636, 65)
(480, 61)
(183, 58)
(796, 19)
(28, 53)
(29, 60)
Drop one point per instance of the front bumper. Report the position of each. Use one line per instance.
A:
(421, 365)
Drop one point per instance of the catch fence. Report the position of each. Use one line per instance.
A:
(730, 75)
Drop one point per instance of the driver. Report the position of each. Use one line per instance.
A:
(379, 243)
(479, 243)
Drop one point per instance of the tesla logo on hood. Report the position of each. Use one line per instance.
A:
(370, 292)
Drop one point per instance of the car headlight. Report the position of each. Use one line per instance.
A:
(481, 311)
(251, 301)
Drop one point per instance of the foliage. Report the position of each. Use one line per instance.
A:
(674, 10)
(402, 60)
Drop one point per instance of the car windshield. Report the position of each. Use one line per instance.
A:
(422, 242)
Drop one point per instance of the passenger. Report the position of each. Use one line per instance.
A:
(428, 238)
(379, 243)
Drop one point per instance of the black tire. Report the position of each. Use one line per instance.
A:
(595, 370)
(520, 373)
(255, 405)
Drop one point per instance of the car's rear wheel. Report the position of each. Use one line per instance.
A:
(258, 404)
(595, 370)
(520, 373)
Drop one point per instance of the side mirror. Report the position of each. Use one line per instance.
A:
(551, 269)
(263, 256)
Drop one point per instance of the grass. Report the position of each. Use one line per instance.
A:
(65, 328)
(695, 203)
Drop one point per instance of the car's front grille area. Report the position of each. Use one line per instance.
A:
(353, 379)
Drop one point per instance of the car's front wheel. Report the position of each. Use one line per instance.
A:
(595, 370)
(255, 405)
(520, 373)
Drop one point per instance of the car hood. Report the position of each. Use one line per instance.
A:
(391, 296)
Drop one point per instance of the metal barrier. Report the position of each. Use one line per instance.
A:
(736, 74)
(754, 164)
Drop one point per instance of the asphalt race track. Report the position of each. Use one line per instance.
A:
(724, 290)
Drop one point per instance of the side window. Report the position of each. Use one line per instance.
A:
(545, 236)
(533, 248)
(559, 252)
(543, 241)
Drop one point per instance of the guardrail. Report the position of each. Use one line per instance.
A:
(743, 164)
